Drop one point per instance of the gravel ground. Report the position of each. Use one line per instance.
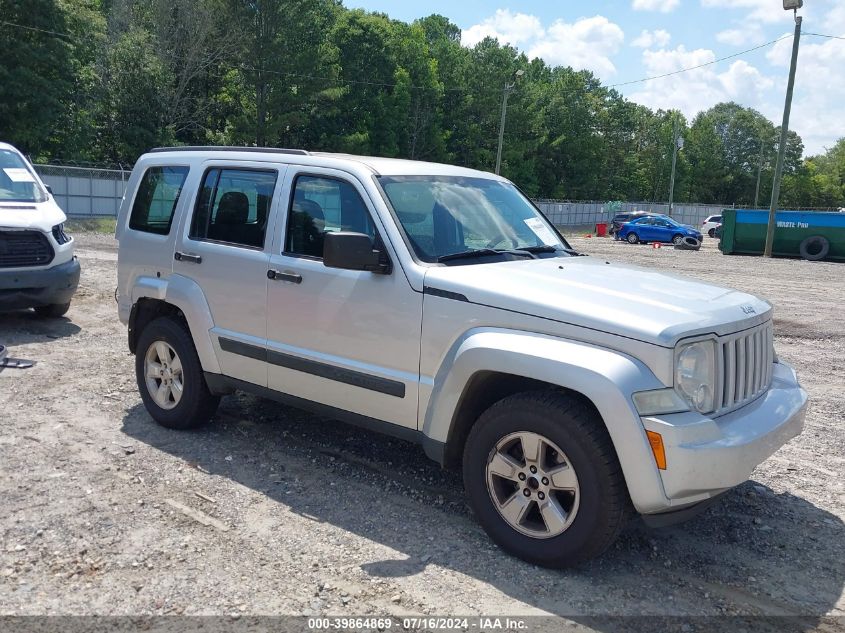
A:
(269, 510)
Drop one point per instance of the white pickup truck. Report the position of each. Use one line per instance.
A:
(437, 304)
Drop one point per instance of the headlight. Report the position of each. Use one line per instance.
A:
(59, 234)
(695, 374)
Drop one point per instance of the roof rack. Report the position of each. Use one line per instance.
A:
(229, 148)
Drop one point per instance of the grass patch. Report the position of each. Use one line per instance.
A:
(91, 225)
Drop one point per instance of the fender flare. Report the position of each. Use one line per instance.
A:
(186, 295)
(605, 377)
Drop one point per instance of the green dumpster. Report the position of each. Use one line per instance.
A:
(812, 235)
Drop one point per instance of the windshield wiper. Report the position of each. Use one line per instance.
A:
(546, 248)
(483, 252)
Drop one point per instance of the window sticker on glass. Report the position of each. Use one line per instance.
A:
(19, 174)
(542, 231)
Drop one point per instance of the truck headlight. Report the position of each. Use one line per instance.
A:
(695, 374)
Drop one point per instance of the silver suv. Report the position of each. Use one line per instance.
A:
(437, 304)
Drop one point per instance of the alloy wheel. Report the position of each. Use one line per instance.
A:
(163, 375)
(533, 485)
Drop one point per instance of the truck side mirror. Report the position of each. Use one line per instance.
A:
(353, 251)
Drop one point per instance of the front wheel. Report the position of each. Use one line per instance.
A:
(170, 378)
(677, 239)
(632, 238)
(543, 479)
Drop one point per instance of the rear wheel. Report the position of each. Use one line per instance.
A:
(170, 378)
(543, 479)
(53, 311)
(632, 238)
(712, 232)
(677, 239)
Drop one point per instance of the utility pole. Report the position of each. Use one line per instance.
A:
(784, 128)
(509, 86)
(677, 143)
(759, 172)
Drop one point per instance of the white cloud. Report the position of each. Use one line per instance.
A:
(664, 6)
(659, 38)
(751, 35)
(505, 26)
(699, 89)
(765, 11)
(586, 44)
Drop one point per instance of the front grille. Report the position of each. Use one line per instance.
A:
(24, 248)
(744, 362)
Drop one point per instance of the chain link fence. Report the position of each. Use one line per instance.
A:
(85, 191)
(564, 213)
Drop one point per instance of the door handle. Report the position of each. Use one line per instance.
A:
(187, 257)
(277, 275)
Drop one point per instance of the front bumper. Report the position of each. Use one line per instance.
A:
(34, 288)
(706, 456)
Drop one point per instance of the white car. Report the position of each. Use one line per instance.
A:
(37, 266)
(437, 304)
(709, 226)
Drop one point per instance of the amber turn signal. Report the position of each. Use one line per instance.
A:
(656, 442)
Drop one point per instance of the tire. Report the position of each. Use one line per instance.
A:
(712, 232)
(596, 508)
(173, 408)
(52, 311)
(688, 244)
(814, 248)
(677, 238)
(632, 238)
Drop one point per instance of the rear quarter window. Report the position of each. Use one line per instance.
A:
(156, 199)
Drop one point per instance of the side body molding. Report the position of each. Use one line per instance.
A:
(606, 377)
(186, 295)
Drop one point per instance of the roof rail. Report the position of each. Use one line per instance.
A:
(229, 148)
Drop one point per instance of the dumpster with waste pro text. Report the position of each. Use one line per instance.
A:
(813, 235)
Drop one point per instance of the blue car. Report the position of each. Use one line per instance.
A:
(656, 228)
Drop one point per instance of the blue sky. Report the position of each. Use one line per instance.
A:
(626, 40)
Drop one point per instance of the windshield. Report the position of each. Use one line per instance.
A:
(17, 182)
(446, 215)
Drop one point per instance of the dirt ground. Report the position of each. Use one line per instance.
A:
(269, 510)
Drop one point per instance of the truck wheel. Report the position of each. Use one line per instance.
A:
(677, 239)
(632, 238)
(814, 248)
(170, 377)
(53, 311)
(543, 479)
(712, 232)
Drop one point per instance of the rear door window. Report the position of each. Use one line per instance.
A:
(233, 206)
(156, 199)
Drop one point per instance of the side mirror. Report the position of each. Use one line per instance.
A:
(49, 189)
(353, 251)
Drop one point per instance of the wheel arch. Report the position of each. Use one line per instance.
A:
(489, 364)
(182, 299)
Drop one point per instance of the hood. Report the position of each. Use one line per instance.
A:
(41, 216)
(630, 301)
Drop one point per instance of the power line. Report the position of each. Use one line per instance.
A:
(832, 37)
(65, 36)
(710, 63)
